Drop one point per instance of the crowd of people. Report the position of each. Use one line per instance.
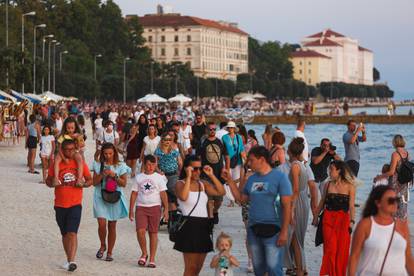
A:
(182, 166)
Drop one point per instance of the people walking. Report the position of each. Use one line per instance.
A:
(110, 175)
(351, 140)
(33, 135)
(277, 151)
(381, 244)
(131, 148)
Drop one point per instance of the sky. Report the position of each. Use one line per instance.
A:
(383, 26)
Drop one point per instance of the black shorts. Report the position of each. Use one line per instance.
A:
(32, 142)
(68, 219)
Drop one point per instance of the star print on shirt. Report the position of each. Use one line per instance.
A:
(147, 187)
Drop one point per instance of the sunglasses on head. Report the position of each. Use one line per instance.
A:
(393, 200)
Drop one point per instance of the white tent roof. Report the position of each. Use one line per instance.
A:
(180, 98)
(8, 96)
(152, 98)
(247, 98)
(258, 95)
(52, 96)
(241, 95)
(36, 97)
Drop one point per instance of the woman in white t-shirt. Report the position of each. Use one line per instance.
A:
(108, 135)
(47, 150)
(98, 126)
(185, 136)
(151, 142)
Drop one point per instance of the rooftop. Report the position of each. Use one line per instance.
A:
(307, 53)
(326, 33)
(322, 42)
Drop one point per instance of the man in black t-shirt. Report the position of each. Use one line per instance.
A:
(321, 159)
(212, 152)
(198, 130)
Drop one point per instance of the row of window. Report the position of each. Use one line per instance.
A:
(223, 42)
(163, 39)
(163, 52)
(175, 29)
(309, 71)
(309, 80)
(309, 63)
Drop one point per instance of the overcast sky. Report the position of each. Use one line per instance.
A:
(383, 26)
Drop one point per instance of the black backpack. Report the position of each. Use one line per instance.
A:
(405, 171)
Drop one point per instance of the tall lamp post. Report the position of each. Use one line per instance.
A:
(43, 58)
(48, 78)
(125, 61)
(94, 65)
(7, 39)
(23, 15)
(60, 59)
(54, 66)
(34, 55)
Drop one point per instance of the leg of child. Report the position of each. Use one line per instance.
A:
(79, 163)
(44, 168)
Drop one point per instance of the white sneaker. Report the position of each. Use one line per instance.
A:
(65, 266)
(250, 266)
(72, 266)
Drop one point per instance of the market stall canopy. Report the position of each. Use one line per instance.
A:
(7, 97)
(20, 96)
(50, 96)
(247, 98)
(36, 99)
(258, 95)
(152, 98)
(72, 99)
(180, 98)
(241, 95)
(4, 101)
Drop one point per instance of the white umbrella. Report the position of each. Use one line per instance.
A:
(241, 95)
(258, 95)
(152, 98)
(180, 98)
(7, 97)
(247, 98)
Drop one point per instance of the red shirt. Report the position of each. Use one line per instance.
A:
(67, 195)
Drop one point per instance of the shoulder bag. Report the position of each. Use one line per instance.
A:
(388, 249)
(178, 220)
(319, 230)
(109, 196)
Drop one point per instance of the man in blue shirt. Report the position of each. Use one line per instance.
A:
(269, 193)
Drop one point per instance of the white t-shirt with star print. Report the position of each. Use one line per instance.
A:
(148, 187)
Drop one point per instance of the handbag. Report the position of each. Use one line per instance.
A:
(109, 196)
(262, 230)
(319, 230)
(388, 249)
(178, 220)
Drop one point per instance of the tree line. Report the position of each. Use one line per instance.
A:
(96, 30)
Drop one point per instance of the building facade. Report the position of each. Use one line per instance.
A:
(311, 67)
(350, 63)
(212, 49)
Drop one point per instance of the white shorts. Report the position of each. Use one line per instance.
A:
(235, 173)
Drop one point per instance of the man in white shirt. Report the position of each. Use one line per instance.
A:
(113, 115)
(147, 195)
(300, 132)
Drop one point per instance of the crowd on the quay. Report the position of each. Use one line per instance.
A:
(189, 164)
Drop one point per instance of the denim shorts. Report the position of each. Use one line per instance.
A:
(68, 219)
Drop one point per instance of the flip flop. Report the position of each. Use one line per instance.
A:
(142, 261)
(109, 258)
(151, 265)
(99, 254)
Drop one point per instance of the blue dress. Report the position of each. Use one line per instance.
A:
(109, 211)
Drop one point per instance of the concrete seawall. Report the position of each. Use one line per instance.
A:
(323, 119)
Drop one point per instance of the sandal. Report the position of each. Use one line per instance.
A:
(109, 258)
(100, 253)
(151, 265)
(142, 261)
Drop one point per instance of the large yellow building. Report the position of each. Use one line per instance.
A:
(213, 49)
(311, 67)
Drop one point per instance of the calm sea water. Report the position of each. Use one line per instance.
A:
(374, 153)
(401, 110)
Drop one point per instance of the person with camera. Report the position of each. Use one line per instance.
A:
(351, 140)
(321, 157)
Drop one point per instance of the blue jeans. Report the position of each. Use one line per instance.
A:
(267, 257)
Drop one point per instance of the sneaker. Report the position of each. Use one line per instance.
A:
(216, 218)
(65, 266)
(250, 266)
(72, 266)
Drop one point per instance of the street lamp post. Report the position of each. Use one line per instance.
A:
(43, 58)
(60, 59)
(7, 39)
(48, 78)
(125, 60)
(23, 15)
(94, 66)
(34, 55)
(54, 66)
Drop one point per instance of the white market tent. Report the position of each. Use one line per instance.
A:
(180, 98)
(152, 98)
(7, 97)
(258, 95)
(35, 98)
(50, 96)
(247, 98)
(19, 96)
(241, 95)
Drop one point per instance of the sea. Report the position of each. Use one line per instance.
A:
(375, 152)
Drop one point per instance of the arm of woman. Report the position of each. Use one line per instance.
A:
(180, 163)
(391, 171)
(141, 155)
(361, 233)
(409, 262)
(218, 189)
(237, 192)
(313, 190)
(182, 188)
(295, 172)
(320, 205)
(352, 204)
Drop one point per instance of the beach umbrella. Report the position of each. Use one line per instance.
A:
(7, 97)
(152, 98)
(247, 98)
(241, 95)
(180, 98)
(258, 95)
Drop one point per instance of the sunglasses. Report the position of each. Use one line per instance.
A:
(166, 139)
(393, 200)
(212, 129)
(197, 168)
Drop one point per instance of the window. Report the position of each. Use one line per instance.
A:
(163, 38)
(189, 30)
(309, 71)
(162, 30)
(188, 38)
(310, 81)
(175, 51)
(149, 30)
(188, 51)
(188, 63)
(300, 71)
(163, 51)
(300, 62)
(176, 38)
(176, 29)
(231, 67)
(150, 38)
(309, 63)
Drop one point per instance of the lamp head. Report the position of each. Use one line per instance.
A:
(30, 13)
(41, 26)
